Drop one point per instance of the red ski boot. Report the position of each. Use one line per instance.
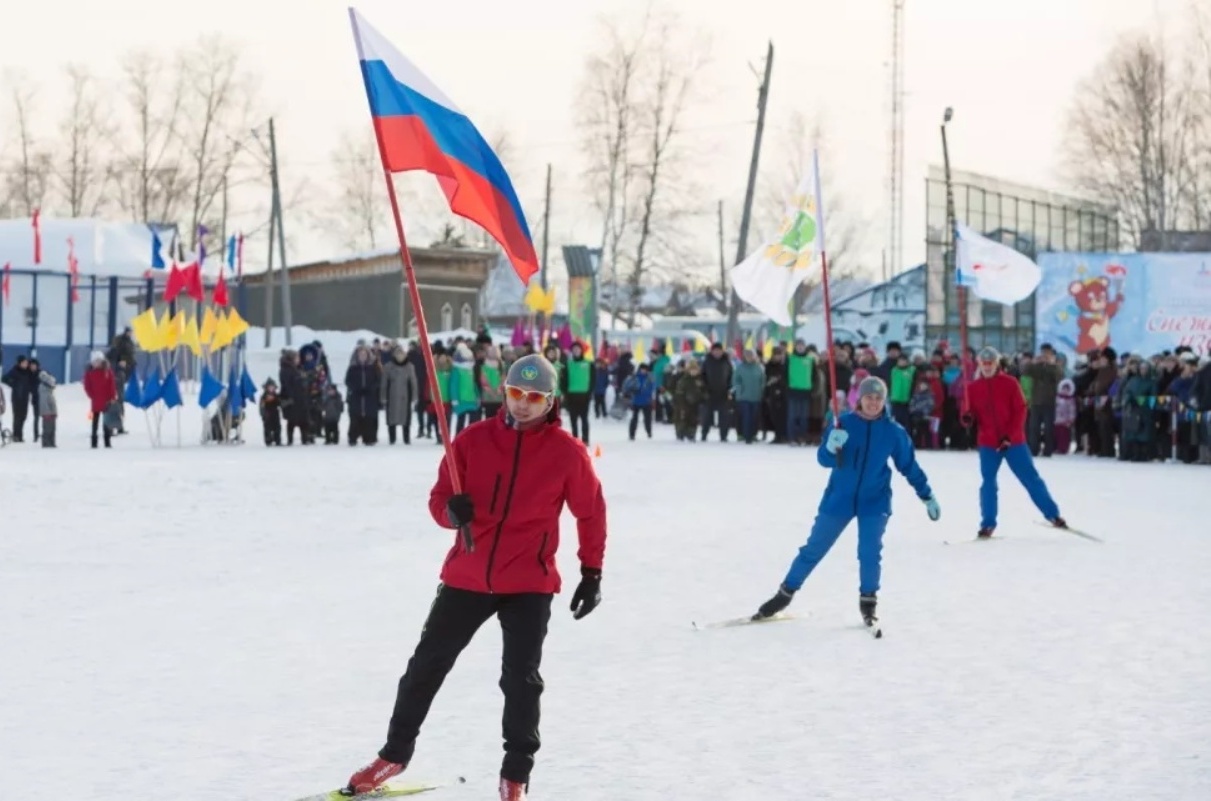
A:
(512, 791)
(373, 775)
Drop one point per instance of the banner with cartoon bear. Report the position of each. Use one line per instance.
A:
(1141, 303)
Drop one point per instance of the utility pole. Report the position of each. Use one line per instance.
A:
(733, 327)
(895, 225)
(722, 257)
(269, 281)
(546, 225)
(287, 317)
(948, 263)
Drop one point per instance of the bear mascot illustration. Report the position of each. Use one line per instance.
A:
(1092, 297)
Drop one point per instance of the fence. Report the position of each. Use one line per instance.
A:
(39, 319)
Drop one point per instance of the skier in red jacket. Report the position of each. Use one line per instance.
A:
(518, 469)
(998, 408)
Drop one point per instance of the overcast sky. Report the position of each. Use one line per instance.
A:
(1008, 69)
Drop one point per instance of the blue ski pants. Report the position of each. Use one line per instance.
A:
(1022, 464)
(825, 532)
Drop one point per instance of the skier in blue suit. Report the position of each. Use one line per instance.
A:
(860, 486)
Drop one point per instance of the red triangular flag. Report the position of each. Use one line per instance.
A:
(5, 288)
(37, 237)
(73, 269)
(176, 283)
(220, 291)
(193, 282)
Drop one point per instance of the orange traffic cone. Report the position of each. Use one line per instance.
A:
(597, 452)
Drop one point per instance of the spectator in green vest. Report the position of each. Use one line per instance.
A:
(663, 402)
(800, 380)
(490, 372)
(903, 376)
(577, 380)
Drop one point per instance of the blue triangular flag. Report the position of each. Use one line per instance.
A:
(151, 389)
(248, 387)
(170, 393)
(134, 395)
(210, 389)
(157, 251)
(235, 396)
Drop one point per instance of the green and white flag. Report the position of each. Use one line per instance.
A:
(769, 277)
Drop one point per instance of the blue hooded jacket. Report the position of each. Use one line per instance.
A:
(861, 485)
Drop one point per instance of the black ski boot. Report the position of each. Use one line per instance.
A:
(1059, 522)
(866, 605)
(984, 533)
(773, 606)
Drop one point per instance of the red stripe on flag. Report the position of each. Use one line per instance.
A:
(407, 146)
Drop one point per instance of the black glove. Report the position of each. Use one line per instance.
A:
(1004, 446)
(588, 593)
(460, 510)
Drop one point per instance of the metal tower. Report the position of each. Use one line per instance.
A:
(895, 225)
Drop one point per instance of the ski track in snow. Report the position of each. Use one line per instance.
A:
(232, 622)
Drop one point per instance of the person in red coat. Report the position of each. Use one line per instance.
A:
(102, 390)
(998, 408)
(517, 470)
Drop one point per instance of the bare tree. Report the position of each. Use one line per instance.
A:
(217, 115)
(359, 210)
(151, 175)
(606, 115)
(634, 100)
(1131, 136)
(28, 172)
(661, 114)
(83, 176)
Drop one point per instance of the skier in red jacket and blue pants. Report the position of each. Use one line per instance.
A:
(518, 469)
(998, 408)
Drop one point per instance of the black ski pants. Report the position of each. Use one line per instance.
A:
(453, 619)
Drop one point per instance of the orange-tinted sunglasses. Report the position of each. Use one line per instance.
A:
(529, 395)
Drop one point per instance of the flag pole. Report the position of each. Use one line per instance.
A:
(828, 305)
(443, 426)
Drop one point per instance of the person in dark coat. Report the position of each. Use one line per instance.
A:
(23, 385)
(399, 394)
(295, 399)
(363, 394)
(717, 374)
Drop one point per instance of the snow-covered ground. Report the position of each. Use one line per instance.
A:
(215, 623)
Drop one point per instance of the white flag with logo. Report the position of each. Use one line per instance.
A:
(768, 278)
(993, 271)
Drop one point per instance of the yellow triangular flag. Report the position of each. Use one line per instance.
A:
(171, 329)
(222, 333)
(588, 351)
(767, 350)
(208, 323)
(668, 347)
(189, 336)
(236, 323)
(146, 330)
(698, 346)
(748, 343)
(640, 354)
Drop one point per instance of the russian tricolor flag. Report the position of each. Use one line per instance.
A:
(419, 128)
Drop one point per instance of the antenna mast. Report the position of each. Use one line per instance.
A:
(895, 233)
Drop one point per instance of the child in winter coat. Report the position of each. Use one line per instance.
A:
(48, 408)
(334, 406)
(1065, 415)
(920, 411)
(271, 413)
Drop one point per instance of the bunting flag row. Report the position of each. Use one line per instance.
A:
(168, 332)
